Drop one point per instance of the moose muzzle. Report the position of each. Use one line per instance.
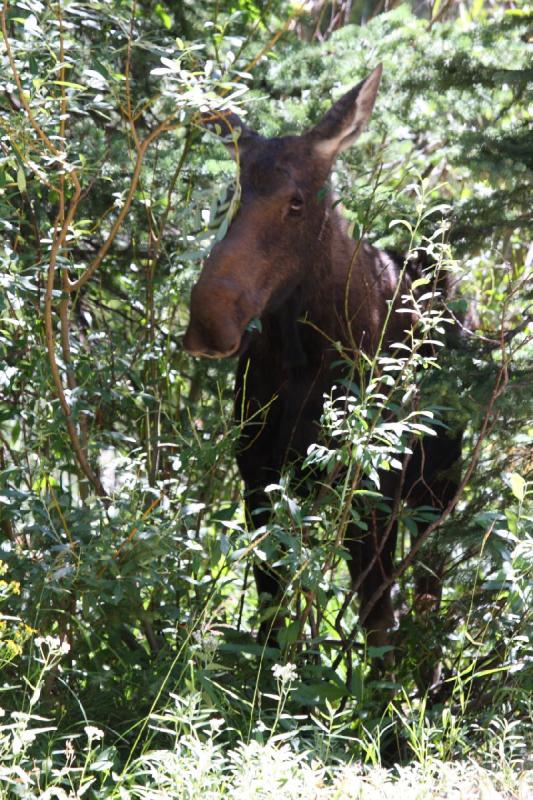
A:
(220, 312)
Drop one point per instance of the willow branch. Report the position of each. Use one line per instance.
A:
(58, 241)
(501, 382)
(74, 286)
(22, 97)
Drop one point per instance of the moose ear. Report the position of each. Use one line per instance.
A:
(235, 134)
(347, 118)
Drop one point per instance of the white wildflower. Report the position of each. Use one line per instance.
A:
(286, 673)
(208, 643)
(93, 733)
(53, 644)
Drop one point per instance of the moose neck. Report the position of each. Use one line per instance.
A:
(309, 313)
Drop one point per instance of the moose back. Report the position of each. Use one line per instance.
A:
(287, 259)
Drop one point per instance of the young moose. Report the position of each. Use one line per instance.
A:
(287, 258)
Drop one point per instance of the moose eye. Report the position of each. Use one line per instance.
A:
(296, 204)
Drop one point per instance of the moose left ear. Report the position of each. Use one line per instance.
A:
(235, 134)
(347, 118)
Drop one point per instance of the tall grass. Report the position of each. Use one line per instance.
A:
(188, 752)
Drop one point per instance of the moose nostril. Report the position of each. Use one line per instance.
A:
(195, 346)
(221, 308)
(210, 334)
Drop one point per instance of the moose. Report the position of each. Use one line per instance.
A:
(287, 258)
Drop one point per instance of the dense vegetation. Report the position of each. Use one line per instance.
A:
(127, 599)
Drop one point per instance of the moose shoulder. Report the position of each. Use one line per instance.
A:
(287, 259)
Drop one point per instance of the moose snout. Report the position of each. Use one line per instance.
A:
(220, 313)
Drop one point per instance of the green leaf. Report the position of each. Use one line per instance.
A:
(288, 635)
(70, 85)
(165, 18)
(21, 180)
(518, 486)
(255, 324)
(379, 652)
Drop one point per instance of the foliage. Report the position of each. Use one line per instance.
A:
(129, 590)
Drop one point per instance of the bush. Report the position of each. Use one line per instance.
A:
(120, 503)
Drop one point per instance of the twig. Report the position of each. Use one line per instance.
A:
(501, 382)
(164, 126)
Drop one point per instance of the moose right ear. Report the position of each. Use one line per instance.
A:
(235, 134)
(346, 119)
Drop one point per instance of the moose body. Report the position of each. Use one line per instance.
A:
(287, 259)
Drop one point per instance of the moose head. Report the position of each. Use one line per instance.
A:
(283, 210)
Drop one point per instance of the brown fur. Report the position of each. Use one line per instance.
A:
(288, 259)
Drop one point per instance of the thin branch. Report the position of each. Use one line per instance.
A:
(501, 382)
(164, 126)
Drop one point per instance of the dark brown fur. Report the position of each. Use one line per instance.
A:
(288, 259)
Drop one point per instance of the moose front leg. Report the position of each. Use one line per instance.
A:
(428, 584)
(371, 569)
(267, 581)
(432, 480)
